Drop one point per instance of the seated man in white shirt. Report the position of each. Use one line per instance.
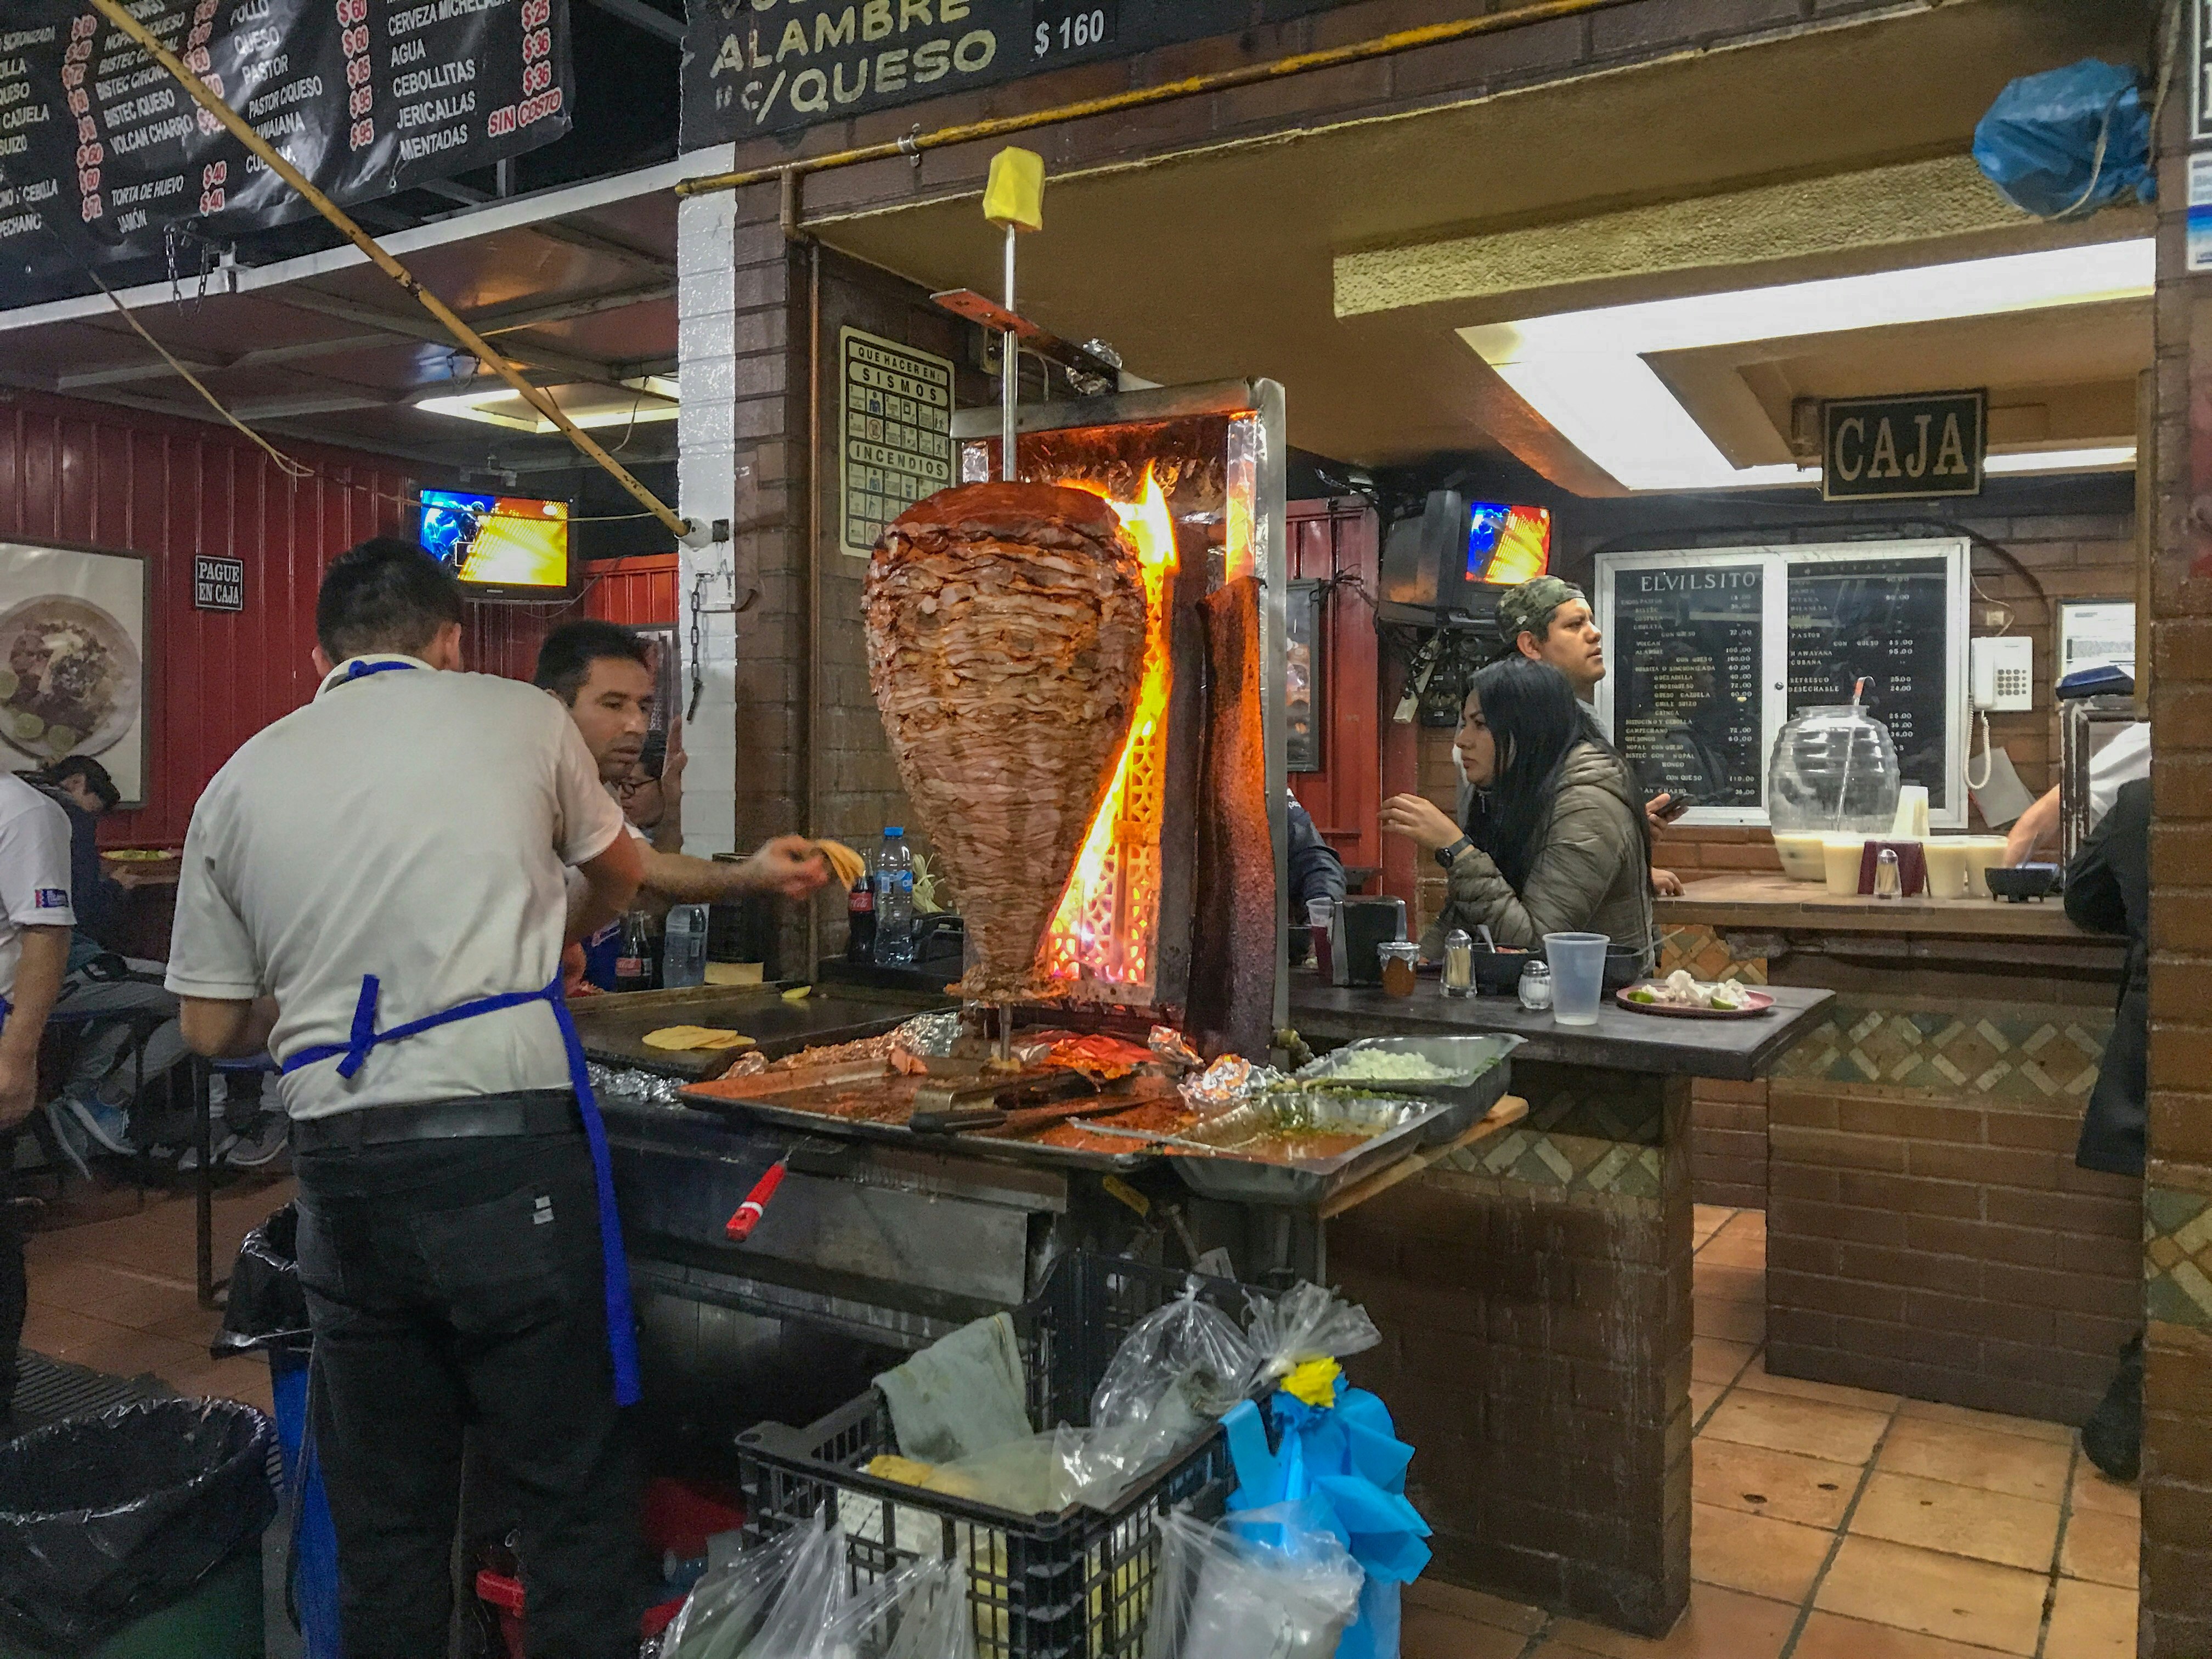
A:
(2121, 760)
(35, 919)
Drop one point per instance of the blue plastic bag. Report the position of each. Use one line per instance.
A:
(1345, 1467)
(2065, 142)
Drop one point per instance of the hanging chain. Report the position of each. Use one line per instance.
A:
(697, 652)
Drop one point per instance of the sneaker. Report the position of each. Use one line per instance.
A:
(218, 1149)
(71, 1140)
(263, 1141)
(106, 1125)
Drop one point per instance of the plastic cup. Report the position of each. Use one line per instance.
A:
(1841, 854)
(1947, 866)
(1577, 963)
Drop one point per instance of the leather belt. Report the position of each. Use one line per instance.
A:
(546, 1112)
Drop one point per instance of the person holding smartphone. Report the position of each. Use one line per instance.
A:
(1549, 620)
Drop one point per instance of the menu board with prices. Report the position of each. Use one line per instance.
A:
(1686, 650)
(897, 446)
(101, 152)
(759, 66)
(1885, 621)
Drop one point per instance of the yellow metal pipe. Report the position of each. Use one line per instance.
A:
(1192, 86)
(467, 337)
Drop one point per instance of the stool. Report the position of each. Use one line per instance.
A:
(210, 1287)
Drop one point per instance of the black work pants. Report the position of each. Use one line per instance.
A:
(455, 1287)
(12, 1290)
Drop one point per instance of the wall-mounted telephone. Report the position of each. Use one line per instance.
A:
(2004, 674)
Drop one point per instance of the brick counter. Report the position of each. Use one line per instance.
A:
(1928, 1231)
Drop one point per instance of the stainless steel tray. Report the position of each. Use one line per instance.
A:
(1469, 1059)
(766, 1110)
(1307, 1183)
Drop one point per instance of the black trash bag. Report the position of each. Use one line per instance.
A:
(267, 1308)
(105, 1520)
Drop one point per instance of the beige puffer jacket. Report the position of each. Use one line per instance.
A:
(1589, 876)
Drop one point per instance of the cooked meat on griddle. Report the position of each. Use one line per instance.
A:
(1005, 645)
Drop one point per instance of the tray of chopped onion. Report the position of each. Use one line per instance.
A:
(1684, 996)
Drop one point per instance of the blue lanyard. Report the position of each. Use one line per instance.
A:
(622, 1332)
(361, 670)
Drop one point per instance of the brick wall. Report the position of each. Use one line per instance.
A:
(1946, 1249)
(2177, 1558)
(1536, 1350)
(1727, 1143)
(1550, 50)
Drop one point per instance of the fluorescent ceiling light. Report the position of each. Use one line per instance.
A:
(1586, 372)
(653, 398)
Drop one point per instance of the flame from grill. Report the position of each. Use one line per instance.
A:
(1107, 923)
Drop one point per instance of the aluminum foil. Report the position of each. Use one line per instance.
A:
(1168, 1043)
(930, 1036)
(635, 1088)
(1230, 1082)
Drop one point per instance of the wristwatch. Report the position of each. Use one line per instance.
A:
(1448, 856)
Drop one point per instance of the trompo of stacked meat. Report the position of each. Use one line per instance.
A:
(1005, 645)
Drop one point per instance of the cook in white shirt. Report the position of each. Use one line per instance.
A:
(391, 854)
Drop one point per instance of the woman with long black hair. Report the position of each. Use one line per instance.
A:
(1555, 839)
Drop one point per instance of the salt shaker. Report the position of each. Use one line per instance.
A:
(1459, 964)
(1888, 882)
(1536, 986)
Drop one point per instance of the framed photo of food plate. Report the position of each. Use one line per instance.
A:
(73, 660)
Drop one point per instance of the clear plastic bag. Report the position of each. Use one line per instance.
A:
(818, 1614)
(728, 1605)
(1188, 1350)
(1307, 1322)
(1261, 1585)
(935, 1621)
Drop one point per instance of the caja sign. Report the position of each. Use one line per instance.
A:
(760, 66)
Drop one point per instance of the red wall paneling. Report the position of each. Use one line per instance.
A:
(95, 476)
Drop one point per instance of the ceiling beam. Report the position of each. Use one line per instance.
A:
(638, 15)
(592, 241)
(424, 328)
(503, 320)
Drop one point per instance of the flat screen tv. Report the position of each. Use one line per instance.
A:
(499, 546)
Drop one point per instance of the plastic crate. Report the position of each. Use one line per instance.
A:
(1076, 1585)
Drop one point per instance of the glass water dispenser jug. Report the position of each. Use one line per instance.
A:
(1833, 777)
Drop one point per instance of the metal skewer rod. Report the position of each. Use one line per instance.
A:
(1010, 368)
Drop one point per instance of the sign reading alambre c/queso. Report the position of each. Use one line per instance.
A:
(758, 66)
(1932, 444)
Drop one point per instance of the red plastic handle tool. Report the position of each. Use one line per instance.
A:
(739, 1227)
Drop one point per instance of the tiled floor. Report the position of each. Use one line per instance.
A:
(117, 1294)
(1832, 1523)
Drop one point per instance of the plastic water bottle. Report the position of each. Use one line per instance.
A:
(683, 947)
(894, 901)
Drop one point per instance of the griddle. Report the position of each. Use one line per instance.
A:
(613, 1026)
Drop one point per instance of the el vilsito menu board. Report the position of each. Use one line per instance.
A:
(1687, 652)
(1886, 621)
(101, 151)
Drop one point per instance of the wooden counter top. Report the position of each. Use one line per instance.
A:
(1776, 902)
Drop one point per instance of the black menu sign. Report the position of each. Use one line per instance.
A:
(100, 150)
(1685, 655)
(1887, 622)
(756, 66)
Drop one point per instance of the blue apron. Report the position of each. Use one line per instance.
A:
(622, 1331)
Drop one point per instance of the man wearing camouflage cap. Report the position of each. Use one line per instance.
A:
(1548, 620)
